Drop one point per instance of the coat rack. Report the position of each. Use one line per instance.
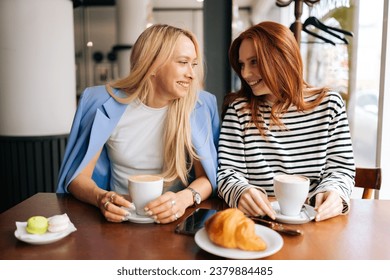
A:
(297, 12)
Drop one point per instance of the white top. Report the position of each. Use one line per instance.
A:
(135, 146)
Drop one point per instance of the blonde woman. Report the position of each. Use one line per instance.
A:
(276, 123)
(154, 121)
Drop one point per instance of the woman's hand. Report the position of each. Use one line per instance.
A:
(169, 206)
(328, 204)
(84, 188)
(111, 203)
(255, 203)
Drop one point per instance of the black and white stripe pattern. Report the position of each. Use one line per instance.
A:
(316, 144)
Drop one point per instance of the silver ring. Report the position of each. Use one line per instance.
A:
(112, 197)
(105, 204)
(176, 216)
(173, 202)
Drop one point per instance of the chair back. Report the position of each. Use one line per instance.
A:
(369, 179)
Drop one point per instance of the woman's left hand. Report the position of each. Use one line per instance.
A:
(167, 208)
(328, 204)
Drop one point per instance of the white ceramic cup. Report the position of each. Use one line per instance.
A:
(291, 192)
(143, 189)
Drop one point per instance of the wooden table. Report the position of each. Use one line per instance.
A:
(362, 234)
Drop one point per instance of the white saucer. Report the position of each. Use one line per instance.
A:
(41, 239)
(135, 218)
(299, 219)
(273, 240)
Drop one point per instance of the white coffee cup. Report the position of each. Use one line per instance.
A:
(143, 189)
(291, 192)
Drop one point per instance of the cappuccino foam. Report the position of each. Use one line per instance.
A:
(144, 178)
(291, 178)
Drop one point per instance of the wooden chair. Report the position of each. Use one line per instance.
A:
(369, 179)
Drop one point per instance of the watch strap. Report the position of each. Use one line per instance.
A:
(194, 194)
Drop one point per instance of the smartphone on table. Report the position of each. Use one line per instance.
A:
(195, 221)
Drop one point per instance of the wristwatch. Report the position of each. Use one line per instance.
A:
(196, 196)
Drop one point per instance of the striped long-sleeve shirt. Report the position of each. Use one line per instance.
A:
(316, 144)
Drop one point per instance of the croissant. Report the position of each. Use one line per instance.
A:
(230, 228)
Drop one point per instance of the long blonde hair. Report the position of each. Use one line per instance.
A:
(280, 65)
(153, 48)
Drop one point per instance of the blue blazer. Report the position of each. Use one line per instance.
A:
(98, 114)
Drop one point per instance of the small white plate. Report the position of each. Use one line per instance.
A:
(135, 218)
(41, 239)
(273, 240)
(302, 218)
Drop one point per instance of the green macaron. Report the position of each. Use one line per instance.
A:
(37, 225)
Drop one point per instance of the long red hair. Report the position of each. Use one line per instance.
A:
(280, 66)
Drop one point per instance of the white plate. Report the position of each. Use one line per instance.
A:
(299, 219)
(273, 240)
(135, 218)
(41, 239)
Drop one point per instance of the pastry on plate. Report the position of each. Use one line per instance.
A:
(230, 228)
(58, 223)
(37, 225)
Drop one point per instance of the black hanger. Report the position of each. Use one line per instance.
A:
(292, 28)
(317, 23)
(328, 29)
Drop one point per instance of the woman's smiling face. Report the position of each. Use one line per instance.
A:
(249, 68)
(174, 78)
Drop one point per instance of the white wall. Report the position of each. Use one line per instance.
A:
(37, 81)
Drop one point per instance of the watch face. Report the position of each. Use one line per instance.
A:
(197, 198)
